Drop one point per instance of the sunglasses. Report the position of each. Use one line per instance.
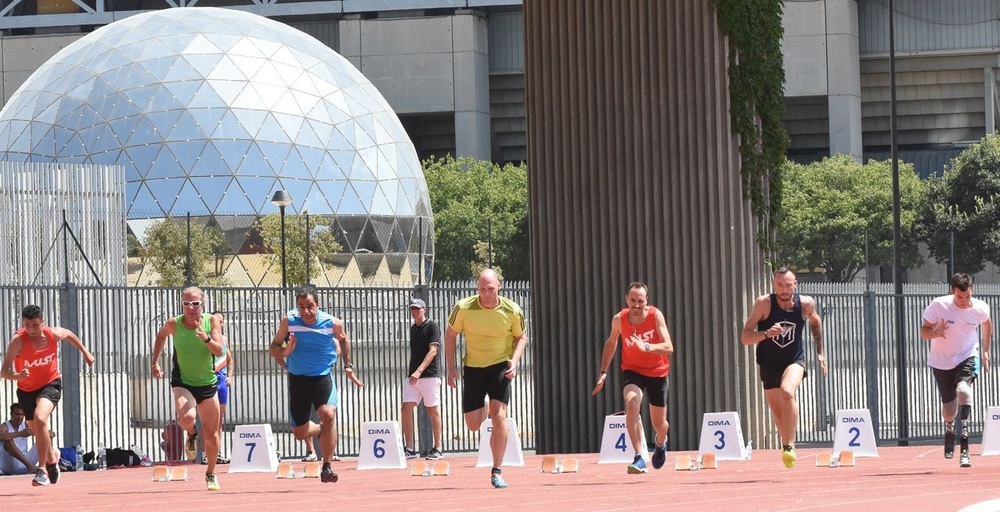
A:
(192, 303)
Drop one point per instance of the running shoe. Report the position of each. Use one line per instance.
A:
(310, 457)
(788, 457)
(328, 476)
(949, 444)
(53, 472)
(221, 460)
(434, 454)
(497, 479)
(40, 478)
(191, 446)
(964, 460)
(660, 456)
(637, 466)
(410, 454)
(212, 482)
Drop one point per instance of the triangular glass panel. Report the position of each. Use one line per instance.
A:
(379, 205)
(210, 163)
(207, 98)
(258, 191)
(381, 225)
(253, 163)
(165, 192)
(165, 166)
(234, 201)
(231, 151)
(186, 153)
(211, 190)
(225, 69)
(294, 167)
(188, 201)
(227, 90)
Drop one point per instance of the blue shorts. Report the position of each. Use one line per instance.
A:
(221, 376)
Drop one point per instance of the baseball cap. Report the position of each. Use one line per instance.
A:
(418, 303)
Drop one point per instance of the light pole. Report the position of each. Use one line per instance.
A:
(281, 199)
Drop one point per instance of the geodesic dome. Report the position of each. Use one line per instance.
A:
(211, 111)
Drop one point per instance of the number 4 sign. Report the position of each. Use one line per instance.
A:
(854, 432)
(722, 435)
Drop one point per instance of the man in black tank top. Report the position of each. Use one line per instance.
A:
(775, 325)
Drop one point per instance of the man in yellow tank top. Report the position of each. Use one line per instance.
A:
(494, 343)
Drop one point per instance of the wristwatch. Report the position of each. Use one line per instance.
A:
(647, 346)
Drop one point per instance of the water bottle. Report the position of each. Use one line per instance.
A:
(79, 458)
(102, 457)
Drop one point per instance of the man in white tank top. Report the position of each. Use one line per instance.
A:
(15, 456)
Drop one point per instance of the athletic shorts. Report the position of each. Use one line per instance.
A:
(482, 382)
(200, 393)
(655, 388)
(426, 388)
(220, 377)
(947, 380)
(306, 393)
(29, 399)
(770, 376)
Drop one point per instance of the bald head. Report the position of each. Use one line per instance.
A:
(489, 288)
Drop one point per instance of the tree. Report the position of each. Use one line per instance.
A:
(965, 202)
(322, 245)
(166, 251)
(832, 206)
(473, 199)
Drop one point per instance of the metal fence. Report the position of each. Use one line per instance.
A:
(865, 367)
(117, 402)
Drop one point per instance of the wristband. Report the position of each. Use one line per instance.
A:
(349, 366)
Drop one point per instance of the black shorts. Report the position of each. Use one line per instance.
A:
(200, 393)
(29, 399)
(947, 380)
(770, 376)
(306, 393)
(655, 388)
(482, 382)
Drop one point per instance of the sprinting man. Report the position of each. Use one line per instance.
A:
(313, 338)
(32, 359)
(646, 351)
(950, 323)
(197, 340)
(495, 339)
(775, 325)
(422, 381)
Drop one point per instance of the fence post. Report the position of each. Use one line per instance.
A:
(69, 318)
(870, 326)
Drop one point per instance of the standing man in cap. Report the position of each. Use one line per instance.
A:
(423, 379)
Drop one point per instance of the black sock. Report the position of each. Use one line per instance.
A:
(326, 466)
(966, 411)
(495, 471)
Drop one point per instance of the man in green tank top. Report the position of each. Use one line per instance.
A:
(197, 340)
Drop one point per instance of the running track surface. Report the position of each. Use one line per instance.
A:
(902, 478)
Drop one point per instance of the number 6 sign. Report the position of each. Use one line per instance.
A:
(381, 446)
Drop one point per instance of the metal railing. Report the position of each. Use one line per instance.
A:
(117, 402)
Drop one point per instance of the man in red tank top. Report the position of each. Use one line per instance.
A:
(646, 350)
(32, 359)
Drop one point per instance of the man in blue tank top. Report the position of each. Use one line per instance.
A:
(775, 325)
(314, 337)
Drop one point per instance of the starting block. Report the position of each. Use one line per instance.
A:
(823, 459)
(285, 470)
(683, 463)
(708, 461)
(420, 468)
(441, 468)
(571, 466)
(847, 458)
(686, 463)
(552, 465)
(827, 460)
(169, 474)
(423, 468)
(312, 469)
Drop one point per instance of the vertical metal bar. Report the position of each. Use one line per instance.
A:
(870, 323)
(897, 241)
